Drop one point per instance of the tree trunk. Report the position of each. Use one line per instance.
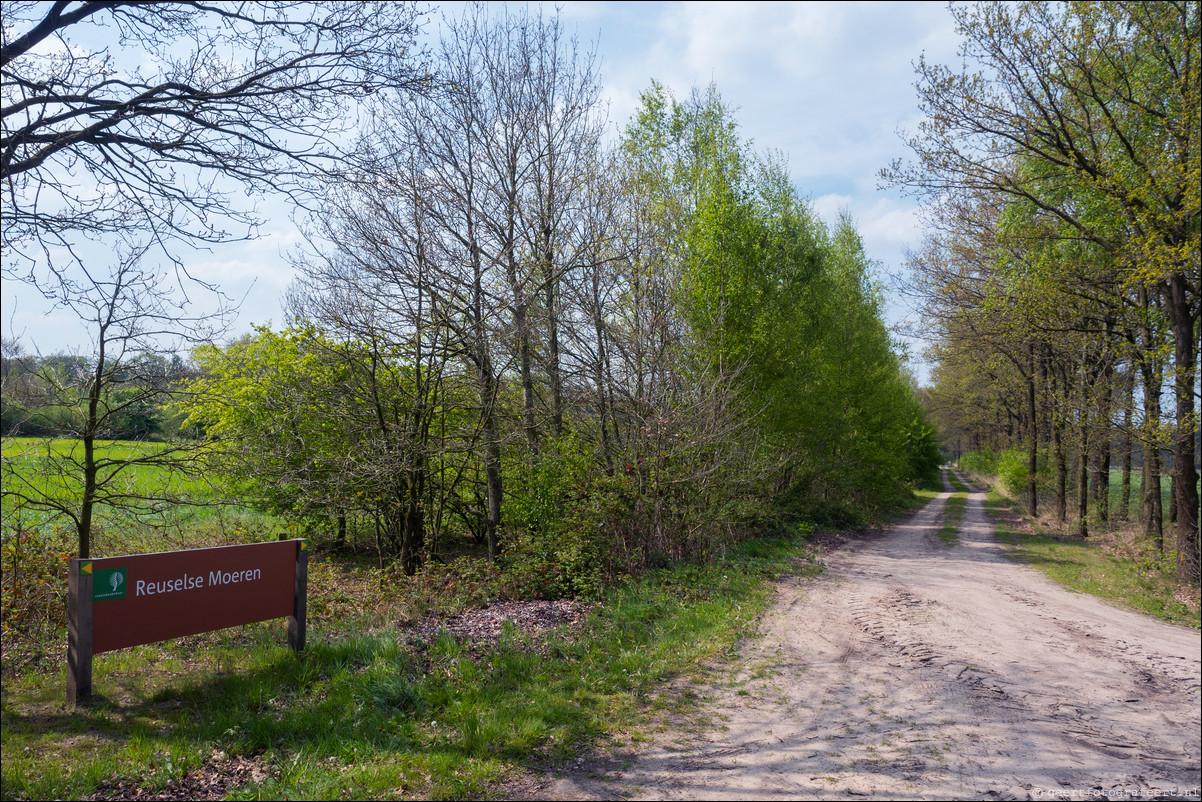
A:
(599, 378)
(551, 288)
(1124, 511)
(1150, 369)
(1061, 469)
(1185, 469)
(413, 535)
(379, 542)
(1101, 485)
(521, 311)
(1101, 447)
(83, 524)
(1033, 439)
(1153, 513)
(525, 368)
(1083, 486)
(486, 381)
(492, 477)
(1173, 498)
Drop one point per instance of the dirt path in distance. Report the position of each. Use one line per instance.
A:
(911, 668)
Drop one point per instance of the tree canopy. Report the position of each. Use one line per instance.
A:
(145, 119)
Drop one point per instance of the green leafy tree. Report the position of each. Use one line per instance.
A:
(309, 427)
(780, 305)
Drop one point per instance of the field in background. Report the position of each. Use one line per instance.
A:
(197, 515)
(35, 545)
(1137, 478)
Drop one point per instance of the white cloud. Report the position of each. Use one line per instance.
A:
(890, 223)
(886, 224)
(829, 84)
(750, 41)
(828, 207)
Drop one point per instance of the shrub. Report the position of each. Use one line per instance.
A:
(1010, 467)
(1012, 470)
(922, 451)
(33, 587)
(983, 462)
(555, 524)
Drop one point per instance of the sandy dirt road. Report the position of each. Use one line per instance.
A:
(914, 669)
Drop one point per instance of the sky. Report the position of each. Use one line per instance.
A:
(829, 86)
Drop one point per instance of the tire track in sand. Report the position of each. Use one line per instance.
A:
(914, 669)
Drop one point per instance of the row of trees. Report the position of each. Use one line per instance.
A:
(1061, 271)
(510, 330)
(588, 356)
(46, 396)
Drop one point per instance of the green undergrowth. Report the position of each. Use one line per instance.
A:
(1112, 565)
(371, 712)
(1009, 470)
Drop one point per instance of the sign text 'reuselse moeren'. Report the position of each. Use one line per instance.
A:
(143, 587)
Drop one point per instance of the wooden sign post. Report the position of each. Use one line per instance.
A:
(116, 602)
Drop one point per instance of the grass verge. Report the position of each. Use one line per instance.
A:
(925, 491)
(368, 711)
(953, 513)
(957, 485)
(1111, 565)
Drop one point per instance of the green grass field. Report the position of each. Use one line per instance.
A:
(191, 511)
(53, 468)
(1116, 492)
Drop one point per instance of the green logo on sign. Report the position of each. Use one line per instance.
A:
(108, 583)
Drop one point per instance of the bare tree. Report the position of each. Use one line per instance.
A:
(135, 318)
(456, 224)
(137, 126)
(373, 291)
(565, 138)
(236, 96)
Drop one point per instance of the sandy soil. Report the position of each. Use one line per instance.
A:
(911, 668)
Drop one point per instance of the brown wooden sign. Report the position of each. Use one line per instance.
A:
(117, 602)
